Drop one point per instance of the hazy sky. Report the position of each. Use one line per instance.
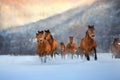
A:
(20, 12)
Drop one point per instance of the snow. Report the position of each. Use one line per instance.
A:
(30, 68)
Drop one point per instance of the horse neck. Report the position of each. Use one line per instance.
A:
(88, 38)
(63, 47)
(42, 44)
(51, 39)
(115, 44)
(70, 44)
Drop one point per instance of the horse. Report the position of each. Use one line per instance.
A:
(43, 46)
(78, 53)
(62, 50)
(71, 46)
(88, 43)
(115, 48)
(53, 43)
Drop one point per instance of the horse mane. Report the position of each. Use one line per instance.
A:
(115, 41)
(51, 37)
(86, 33)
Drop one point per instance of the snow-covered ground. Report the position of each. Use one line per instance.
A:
(30, 68)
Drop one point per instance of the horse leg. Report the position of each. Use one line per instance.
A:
(95, 54)
(41, 59)
(112, 56)
(87, 56)
(45, 57)
(77, 56)
(62, 55)
(72, 55)
(52, 55)
(81, 55)
(55, 54)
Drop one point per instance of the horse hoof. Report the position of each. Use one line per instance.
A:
(88, 58)
(95, 58)
(44, 61)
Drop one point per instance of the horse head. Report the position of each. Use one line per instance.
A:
(48, 35)
(71, 39)
(40, 36)
(91, 31)
(116, 41)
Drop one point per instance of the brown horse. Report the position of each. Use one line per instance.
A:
(53, 43)
(62, 49)
(88, 43)
(43, 46)
(71, 46)
(115, 48)
(78, 53)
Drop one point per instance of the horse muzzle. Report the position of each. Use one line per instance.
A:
(40, 41)
(93, 36)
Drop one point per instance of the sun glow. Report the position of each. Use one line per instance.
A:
(20, 12)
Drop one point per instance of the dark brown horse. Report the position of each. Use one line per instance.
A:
(62, 50)
(43, 46)
(71, 46)
(53, 43)
(88, 43)
(115, 48)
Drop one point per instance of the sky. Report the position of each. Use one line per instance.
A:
(19, 12)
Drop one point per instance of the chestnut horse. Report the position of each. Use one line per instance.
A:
(53, 43)
(71, 46)
(115, 48)
(62, 50)
(88, 43)
(43, 46)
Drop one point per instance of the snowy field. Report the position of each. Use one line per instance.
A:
(30, 68)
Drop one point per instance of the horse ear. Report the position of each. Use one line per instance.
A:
(89, 26)
(48, 31)
(45, 30)
(42, 32)
(71, 37)
(116, 38)
(61, 43)
(93, 26)
(38, 31)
